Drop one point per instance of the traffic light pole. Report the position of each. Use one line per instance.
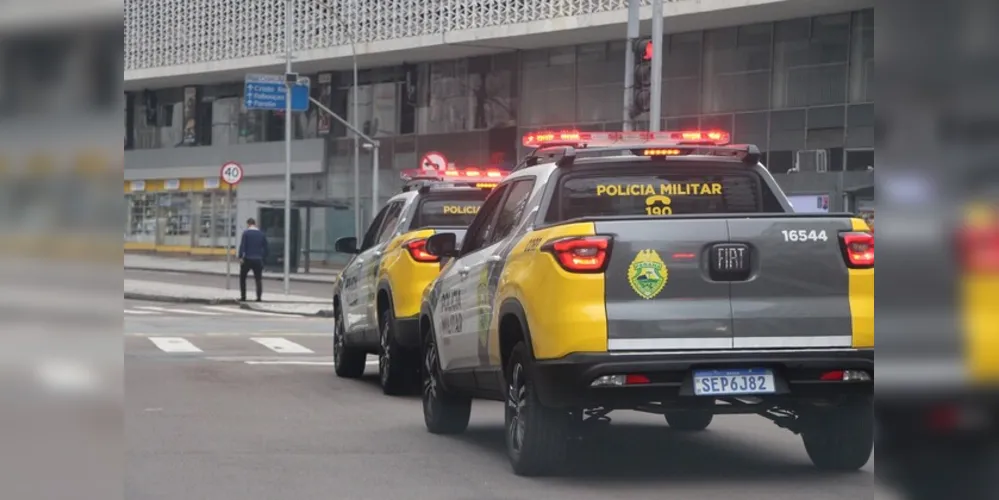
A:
(656, 92)
(629, 61)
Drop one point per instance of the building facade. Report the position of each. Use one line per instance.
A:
(468, 79)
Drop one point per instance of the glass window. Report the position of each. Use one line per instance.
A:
(862, 57)
(810, 61)
(370, 237)
(737, 65)
(141, 217)
(179, 218)
(446, 107)
(682, 79)
(751, 128)
(455, 209)
(860, 126)
(513, 209)
(826, 129)
(482, 225)
(645, 191)
(391, 221)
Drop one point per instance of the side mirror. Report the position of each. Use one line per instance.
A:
(442, 245)
(346, 245)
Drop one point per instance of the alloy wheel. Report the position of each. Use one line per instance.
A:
(516, 408)
(429, 378)
(338, 340)
(385, 354)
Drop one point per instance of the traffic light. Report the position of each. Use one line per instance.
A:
(643, 77)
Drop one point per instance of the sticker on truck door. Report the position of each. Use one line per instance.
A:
(647, 274)
(804, 235)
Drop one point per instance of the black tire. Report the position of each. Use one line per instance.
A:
(537, 437)
(689, 421)
(840, 439)
(444, 412)
(348, 362)
(395, 368)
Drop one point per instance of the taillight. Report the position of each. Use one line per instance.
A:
(580, 254)
(858, 249)
(980, 248)
(418, 250)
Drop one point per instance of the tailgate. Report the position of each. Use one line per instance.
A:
(799, 291)
(739, 283)
(658, 297)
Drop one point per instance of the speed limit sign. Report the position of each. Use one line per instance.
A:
(232, 173)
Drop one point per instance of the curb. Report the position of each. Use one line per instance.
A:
(179, 300)
(322, 313)
(235, 274)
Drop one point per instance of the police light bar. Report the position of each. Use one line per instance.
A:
(659, 140)
(483, 178)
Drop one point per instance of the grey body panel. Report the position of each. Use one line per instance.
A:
(797, 296)
(797, 289)
(689, 307)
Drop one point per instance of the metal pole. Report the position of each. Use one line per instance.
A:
(629, 61)
(357, 163)
(374, 176)
(343, 122)
(288, 13)
(656, 90)
(228, 236)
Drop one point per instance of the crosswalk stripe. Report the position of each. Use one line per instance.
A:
(282, 345)
(174, 344)
(244, 311)
(181, 311)
(133, 311)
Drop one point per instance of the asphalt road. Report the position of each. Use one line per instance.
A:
(238, 420)
(271, 285)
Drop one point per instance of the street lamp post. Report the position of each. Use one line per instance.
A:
(288, 13)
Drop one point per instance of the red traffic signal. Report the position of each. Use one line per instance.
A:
(643, 49)
(647, 51)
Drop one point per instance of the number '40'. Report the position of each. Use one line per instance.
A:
(804, 235)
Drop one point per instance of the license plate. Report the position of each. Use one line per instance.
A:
(732, 382)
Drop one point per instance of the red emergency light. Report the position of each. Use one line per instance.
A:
(660, 140)
(484, 178)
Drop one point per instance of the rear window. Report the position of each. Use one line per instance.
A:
(450, 210)
(656, 194)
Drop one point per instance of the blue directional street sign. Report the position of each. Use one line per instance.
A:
(269, 92)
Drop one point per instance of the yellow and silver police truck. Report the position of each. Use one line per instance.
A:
(376, 298)
(660, 272)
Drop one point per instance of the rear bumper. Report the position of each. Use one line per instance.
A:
(407, 332)
(566, 382)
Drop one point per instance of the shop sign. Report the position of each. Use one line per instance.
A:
(171, 184)
(137, 186)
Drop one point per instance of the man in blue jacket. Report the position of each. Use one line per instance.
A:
(252, 251)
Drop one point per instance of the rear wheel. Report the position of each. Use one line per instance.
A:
(537, 437)
(689, 421)
(443, 412)
(348, 362)
(841, 438)
(393, 362)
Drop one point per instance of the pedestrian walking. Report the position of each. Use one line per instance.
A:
(252, 251)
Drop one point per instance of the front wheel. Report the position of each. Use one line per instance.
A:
(348, 362)
(444, 412)
(393, 362)
(840, 439)
(537, 437)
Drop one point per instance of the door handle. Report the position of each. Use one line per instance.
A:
(360, 261)
(496, 258)
(378, 254)
(464, 271)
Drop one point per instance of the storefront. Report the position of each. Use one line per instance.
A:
(177, 216)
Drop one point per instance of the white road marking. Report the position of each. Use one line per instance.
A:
(246, 311)
(133, 311)
(174, 344)
(233, 334)
(282, 345)
(279, 362)
(181, 311)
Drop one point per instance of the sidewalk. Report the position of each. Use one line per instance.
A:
(186, 294)
(217, 267)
